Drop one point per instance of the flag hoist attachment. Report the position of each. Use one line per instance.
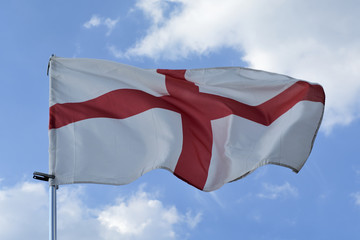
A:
(52, 202)
(42, 176)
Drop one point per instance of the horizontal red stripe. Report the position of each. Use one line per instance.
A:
(124, 103)
(117, 104)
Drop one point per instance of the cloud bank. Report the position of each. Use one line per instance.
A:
(312, 40)
(24, 213)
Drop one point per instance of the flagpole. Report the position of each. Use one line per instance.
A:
(52, 193)
(52, 202)
(52, 212)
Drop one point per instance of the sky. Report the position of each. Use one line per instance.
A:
(318, 41)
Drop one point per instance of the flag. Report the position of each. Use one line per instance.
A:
(110, 123)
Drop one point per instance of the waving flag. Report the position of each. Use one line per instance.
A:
(110, 123)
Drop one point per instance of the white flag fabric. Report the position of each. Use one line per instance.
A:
(110, 123)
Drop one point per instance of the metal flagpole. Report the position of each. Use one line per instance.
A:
(52, 203)
(52, 212)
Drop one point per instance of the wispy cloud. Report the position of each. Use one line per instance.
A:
(96, 21)
(270, 35)
(153, 9)
(138, 216)
(273, 192)
(217, 199)
(93, 22)
(115, 51)
(356, 197)
(192, 220)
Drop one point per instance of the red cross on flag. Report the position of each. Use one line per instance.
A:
(110, 123)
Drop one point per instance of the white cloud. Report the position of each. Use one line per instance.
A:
(110, 24)
(356, 197)
(153, 9)
(93, 22)
(278, 191)
(24, 213)
(96, 21)
(312, 40)
(115, 51)
(192, 220)
(143, 217)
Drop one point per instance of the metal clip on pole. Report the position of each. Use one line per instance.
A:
(42, 176)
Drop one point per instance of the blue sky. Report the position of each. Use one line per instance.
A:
(313, 40)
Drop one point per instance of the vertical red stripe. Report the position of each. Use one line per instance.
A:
(194, 161)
